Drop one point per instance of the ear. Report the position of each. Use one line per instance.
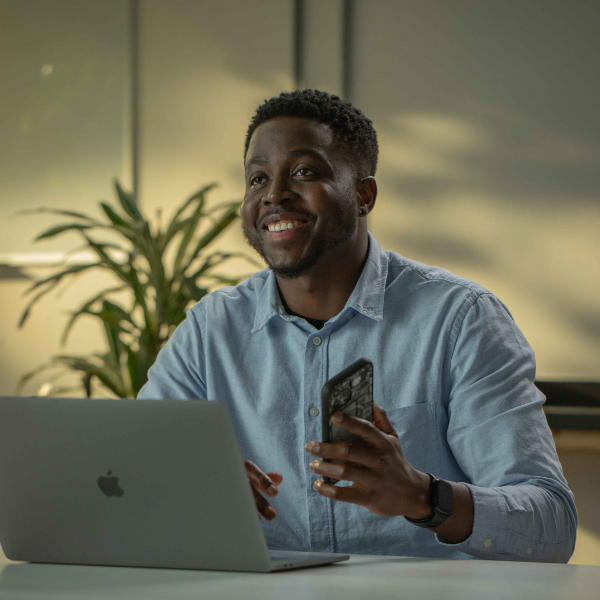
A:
(367, 193)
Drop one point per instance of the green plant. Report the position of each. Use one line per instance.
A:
(162, 270)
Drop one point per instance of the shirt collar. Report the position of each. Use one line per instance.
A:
(366, 298)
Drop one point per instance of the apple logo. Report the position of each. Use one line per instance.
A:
(110, 485)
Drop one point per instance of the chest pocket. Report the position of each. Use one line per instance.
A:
(416, 428)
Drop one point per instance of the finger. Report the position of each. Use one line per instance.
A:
(381, 421)
(275, 477)
(346, 472)
(351, 494)
(362, 428)
(260, 480)
(264, 508)
(364, 456)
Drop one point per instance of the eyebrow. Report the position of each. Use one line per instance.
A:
(299, 152)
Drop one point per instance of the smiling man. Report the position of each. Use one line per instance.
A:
(459, 462)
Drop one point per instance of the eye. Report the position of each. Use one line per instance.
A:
(308, 171)
(305, 169)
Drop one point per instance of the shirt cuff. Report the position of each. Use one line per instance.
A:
(489, 537)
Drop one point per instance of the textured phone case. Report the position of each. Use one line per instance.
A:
(351, 392)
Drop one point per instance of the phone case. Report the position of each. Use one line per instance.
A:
(351, 392)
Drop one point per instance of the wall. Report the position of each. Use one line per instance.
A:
(490, 155)
(204, 68)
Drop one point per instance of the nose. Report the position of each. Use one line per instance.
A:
(279, 192)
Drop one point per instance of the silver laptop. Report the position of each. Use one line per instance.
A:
(152, 483)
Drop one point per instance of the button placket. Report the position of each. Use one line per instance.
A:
(319, 509)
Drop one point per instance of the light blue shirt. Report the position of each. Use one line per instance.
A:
(451, 368)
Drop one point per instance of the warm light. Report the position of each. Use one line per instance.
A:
(45, 389)
(46, 70)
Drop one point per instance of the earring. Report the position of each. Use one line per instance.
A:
(363, 210)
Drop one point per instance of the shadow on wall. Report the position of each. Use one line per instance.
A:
(490, 155)
(470, 194)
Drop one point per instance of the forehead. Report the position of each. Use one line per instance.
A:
(276, 137)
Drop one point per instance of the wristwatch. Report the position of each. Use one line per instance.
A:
(442, 502)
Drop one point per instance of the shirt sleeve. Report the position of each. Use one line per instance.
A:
(179, 372)
(499, 435)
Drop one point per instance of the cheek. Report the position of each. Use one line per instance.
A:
(247, 212)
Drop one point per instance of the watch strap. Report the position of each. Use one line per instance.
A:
(442, 503)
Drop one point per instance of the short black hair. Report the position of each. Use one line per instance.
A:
(351, 129)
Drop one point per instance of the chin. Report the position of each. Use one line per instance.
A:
(293, 270)
(288, 273)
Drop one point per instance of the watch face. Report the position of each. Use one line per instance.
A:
(444, 497)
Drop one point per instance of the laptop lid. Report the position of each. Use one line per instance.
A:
(153, 483)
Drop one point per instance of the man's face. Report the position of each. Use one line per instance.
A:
(295, 173)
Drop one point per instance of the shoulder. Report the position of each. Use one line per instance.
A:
(429, 290)
(414, 273)
(239, 298)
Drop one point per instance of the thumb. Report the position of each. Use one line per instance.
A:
(381, 421)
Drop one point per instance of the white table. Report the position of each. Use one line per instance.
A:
(362, 578)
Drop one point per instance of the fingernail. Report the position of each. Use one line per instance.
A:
(310, 445)
(272, 489)
(337, 418)
(270, 512)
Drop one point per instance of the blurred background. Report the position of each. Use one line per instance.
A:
(487, 118)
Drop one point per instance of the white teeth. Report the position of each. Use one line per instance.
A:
(283, 225)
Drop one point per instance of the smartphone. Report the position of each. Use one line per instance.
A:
(351, 392)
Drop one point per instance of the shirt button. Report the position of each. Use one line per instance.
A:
(313, 412)
(317, 341)
(487, 542)
(315, 486)
(529, 550)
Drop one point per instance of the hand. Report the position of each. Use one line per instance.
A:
(383, 480)
(263, 482)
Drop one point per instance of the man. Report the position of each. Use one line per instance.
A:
(453, 375)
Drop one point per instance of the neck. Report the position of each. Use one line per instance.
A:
(323, 292)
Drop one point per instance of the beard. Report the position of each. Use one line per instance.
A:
(340, 228)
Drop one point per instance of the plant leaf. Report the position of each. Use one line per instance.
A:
(60, 229)
(113, 313)
(34, 300)
(58, 276)
(85, 309)
(225, 220)
(102, 372)
(114, 217)
(132, 368)
(63, 213)
(128, 203)
(188, 235)
(106, 260)
(164, 240)
(199, 195)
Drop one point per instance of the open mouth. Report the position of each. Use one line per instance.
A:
(283, 230)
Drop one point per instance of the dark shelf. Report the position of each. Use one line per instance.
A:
(571, 404)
